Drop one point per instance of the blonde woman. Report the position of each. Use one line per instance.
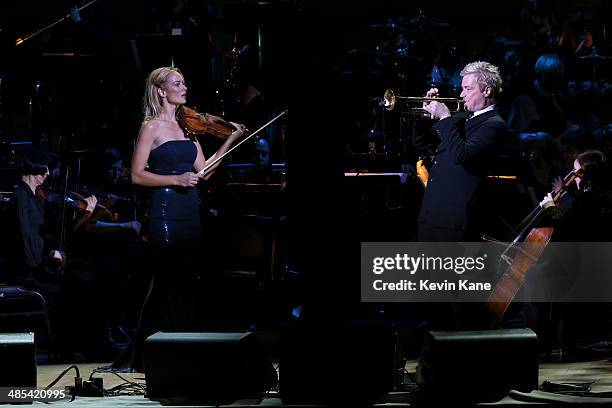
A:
(167, 161)
(173, 159)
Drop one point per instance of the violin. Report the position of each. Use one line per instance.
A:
(100, 210)
(73, 199)
(104, 196)
(196, 123)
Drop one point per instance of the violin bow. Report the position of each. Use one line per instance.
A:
(63, 219)
(218, 159)
(20, 40)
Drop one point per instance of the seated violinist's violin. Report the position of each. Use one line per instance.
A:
(74, 200)
(197, 123)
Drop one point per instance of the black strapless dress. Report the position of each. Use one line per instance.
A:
(173, 214)
(172, 303)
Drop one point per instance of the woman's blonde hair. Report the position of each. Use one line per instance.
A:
(152, 104)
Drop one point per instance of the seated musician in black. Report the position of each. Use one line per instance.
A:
(582, 214)
(40, 255)
(38, 263)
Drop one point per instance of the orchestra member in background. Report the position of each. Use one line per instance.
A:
(116, 269)
(582, 214)
(39, 253)
(40, 264)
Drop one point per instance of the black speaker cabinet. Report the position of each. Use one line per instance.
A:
(18, 357)
(478, 366)
(206, 367)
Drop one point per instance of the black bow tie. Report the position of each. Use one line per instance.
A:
(469, 116)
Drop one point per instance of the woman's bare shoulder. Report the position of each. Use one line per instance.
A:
(151, 128)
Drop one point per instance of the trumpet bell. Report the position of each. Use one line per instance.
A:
(389, 100)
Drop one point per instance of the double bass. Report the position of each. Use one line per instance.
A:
(528, 246)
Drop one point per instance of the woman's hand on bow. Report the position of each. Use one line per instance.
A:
(188, 179)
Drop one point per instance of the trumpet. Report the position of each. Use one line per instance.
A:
(414, 104)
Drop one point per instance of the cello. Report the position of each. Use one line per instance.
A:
(529, 244)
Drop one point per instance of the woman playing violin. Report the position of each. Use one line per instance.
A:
(166, 160)
(38, 258)
(172, 158)
(37, 250)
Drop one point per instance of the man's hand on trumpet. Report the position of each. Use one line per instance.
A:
(436, 109)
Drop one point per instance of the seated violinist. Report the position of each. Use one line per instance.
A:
(39, 263)
(40, 253)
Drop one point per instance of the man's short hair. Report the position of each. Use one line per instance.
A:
(487, 75)
(32, 161)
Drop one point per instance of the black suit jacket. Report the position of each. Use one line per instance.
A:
(461, 163)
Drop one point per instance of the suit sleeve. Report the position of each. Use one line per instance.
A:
(463, 149)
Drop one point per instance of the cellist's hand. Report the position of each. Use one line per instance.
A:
(547, 201)
(91, 203)
(58, 256)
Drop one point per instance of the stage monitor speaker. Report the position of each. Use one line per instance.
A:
(18, 357)
(215, 368)
(478, 366)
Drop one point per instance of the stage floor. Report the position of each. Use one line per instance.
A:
(597, 371)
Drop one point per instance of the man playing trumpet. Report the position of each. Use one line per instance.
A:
(467, 143)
